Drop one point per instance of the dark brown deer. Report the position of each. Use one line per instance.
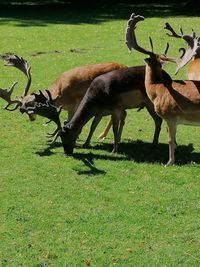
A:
(111, 94)
(193, 68)
(177, 102)
(66, 91)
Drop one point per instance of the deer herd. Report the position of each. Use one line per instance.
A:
(110, 88)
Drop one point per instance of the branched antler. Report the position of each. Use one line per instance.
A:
(45, 106)
(22, 65)
(130, 38)
(6, 95)
(193, 46)
(193, 43)
(173, 33)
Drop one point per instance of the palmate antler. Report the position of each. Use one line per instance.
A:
(130, 38)
(6, 95)
(45, 106)
(22, 65)
(193, 45)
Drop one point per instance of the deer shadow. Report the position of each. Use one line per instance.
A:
(141, 152)
(136, 151)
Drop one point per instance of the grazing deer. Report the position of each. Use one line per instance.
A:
(193, 68)
(177, 102)
(66, 91)
(111, 94)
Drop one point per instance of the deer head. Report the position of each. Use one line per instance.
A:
(131, 42)
(42, 104)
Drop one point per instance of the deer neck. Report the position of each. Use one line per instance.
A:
(153, 77)
(80, 118)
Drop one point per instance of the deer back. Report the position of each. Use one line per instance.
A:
(71, 86)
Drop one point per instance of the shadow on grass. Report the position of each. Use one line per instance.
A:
(138, 151)
(88, 160)
(141, 152)
(46, 152)
(41, 15)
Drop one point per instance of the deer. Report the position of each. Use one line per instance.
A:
(193, 68)
(111, 94)
(175, 101)
(66, 92)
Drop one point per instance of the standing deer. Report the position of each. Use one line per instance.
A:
(177, 102)
(66, 91)
(193, 68)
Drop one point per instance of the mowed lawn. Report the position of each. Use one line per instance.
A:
(95, 208)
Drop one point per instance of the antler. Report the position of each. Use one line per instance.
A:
(21, 64)
(192, 41)
(45, 106)
(131, 41)
(130, 38)
(173, 33)
(6, 95)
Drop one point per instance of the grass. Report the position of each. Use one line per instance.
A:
(95, 208)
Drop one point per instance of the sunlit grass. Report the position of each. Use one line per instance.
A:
(95, 208)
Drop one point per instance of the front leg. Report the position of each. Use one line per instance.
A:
(121, 126)
(172, 141)
(157, 121)
(116, 117)
(94, 124)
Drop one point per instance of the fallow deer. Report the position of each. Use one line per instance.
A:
(111, 94)
(66, 91)
(177, 102)
(193, 68)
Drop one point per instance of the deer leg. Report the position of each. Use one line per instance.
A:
(103, 135)
(116, 117)
(94, 124)
(122, 122)
(172, 141)
(158, 123)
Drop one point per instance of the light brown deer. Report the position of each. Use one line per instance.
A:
(193, 68)
(66, 91)
(177, 102)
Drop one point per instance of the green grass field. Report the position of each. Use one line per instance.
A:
(95, 208)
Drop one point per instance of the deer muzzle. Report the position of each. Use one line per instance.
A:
(30, 113)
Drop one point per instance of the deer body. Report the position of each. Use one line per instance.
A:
(66, 91)
(71, 86)
(111, 94)
(178, 99)
(178, 102)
